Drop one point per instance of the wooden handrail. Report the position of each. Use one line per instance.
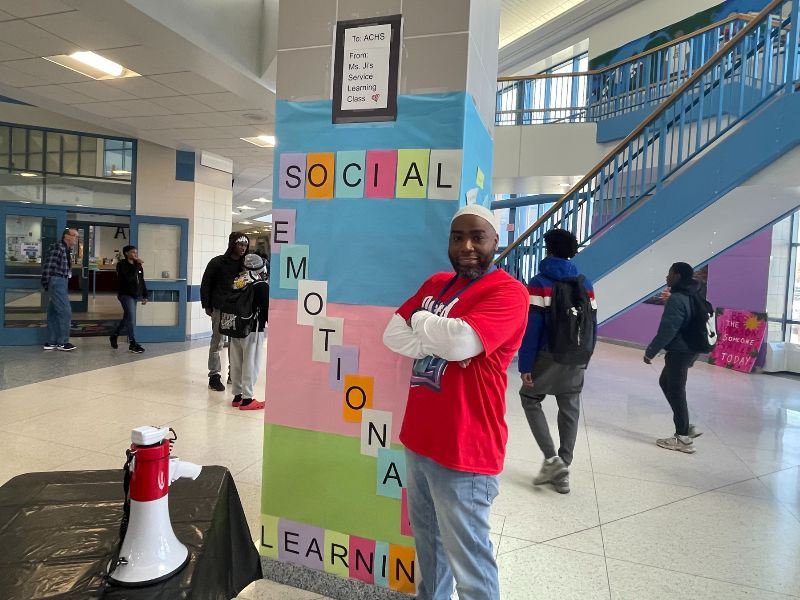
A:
(675, 42)
(662, 108)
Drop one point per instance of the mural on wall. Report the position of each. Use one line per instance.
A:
(361, 217)
(740, 334)
(676, 30)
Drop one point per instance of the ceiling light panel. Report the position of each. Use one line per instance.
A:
(92, 65)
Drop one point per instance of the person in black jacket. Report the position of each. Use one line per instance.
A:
(130, 289)
(216, 285)
(247, 354)
(679, 357)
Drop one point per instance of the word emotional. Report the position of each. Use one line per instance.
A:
(409, 173)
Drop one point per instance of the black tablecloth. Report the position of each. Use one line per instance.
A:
(59, 530)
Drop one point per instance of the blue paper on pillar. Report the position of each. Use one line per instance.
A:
(381, 564)
(372, 251)
(391, 472)
(478, 154)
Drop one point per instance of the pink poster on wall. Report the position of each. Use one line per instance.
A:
(740, 334)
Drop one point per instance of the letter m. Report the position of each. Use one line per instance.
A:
(291, 271)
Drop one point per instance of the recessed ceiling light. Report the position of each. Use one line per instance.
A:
(120, 172)
(245, 207)
(245, 222)
(92, 65)
(26, 174)
(24, 201)
(262, 200)
(565, 185)
(262, 141)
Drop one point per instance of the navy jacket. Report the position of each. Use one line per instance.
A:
(540, 290)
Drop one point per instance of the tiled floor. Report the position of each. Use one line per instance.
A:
(641, 523)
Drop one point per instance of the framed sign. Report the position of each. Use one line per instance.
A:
(366, 62)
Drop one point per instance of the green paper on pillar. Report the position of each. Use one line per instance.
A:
(337, 546)
(268, 544)
(412, 173)
(336, 490)
(479, 178)
(294, 265)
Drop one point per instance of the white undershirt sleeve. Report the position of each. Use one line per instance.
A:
(400, 338)
(451, 339)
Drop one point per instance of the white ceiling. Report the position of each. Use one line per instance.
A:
(518, 17)
(179, 100)
(187, 97)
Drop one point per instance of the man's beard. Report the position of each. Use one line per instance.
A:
(471, 273)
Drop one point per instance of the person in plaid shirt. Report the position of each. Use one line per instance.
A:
(56, 272)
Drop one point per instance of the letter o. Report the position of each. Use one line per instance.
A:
(363, 397)
(305, 303)
(324, 175)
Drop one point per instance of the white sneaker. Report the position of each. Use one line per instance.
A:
(679, 443)
(552, 469)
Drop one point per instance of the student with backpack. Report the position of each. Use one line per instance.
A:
(687, 329)
(559, 341)
(243, 317)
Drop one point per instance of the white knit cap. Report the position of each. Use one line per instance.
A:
(479, 211)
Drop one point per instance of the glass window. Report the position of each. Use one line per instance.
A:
(88, 161)
(24, 308)
(160, 249)
(19, 149)
(5, 148)
(88, 192)
(28, 238)
(35, 150)
(14, 187)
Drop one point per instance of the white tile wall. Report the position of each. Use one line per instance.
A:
(209, 238)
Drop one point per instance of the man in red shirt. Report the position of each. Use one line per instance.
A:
(463, 329)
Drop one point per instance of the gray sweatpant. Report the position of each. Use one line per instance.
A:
(214, 364)
(569, 409)
(246, 356)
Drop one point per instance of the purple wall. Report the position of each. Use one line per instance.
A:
(737, 279)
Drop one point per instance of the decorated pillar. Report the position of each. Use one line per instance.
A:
(384, 123)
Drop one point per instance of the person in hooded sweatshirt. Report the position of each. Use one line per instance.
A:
(679, 358)
(541, 375)
(214, 289)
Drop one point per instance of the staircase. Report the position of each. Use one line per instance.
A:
(713, 164)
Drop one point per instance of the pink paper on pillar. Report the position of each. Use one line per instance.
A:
(283, 228)
(362, 559)
(292, 176)
(740, 334)
(298, 391)
(381, 173)
(405, 519)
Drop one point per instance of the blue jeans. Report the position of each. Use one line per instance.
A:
(449, 513)
(59, 312)
(128, 321)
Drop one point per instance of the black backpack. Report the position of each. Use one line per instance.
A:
(571, 326)
(237, 318)
(700, 333)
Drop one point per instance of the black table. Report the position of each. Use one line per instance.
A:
(58, 531)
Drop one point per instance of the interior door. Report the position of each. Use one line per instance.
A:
(79, 281)
(163, 245)
(27, 235)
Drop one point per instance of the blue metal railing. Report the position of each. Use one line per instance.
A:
(756, 64)
(639, 82)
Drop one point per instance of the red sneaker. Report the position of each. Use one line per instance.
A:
(254, 405)
(237, 400)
